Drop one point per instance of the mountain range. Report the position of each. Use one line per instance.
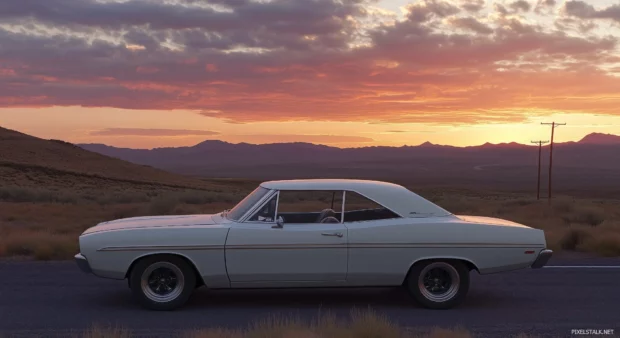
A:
(593, 163)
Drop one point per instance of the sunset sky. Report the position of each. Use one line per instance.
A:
(153, 73)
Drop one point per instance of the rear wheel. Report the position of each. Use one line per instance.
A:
(438, 284)
(162, 282)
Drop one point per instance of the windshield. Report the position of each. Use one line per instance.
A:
(247, 203)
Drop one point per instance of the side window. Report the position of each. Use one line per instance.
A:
(266, 213)
(308, 206)
(359, 209)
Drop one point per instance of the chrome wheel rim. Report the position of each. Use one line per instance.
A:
(162, 282)
(439, 282)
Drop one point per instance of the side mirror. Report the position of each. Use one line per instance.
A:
(279, 223)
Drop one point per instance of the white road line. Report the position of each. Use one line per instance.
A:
(583, 266)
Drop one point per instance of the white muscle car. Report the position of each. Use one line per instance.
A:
(311, 233)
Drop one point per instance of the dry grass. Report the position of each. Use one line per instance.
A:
(45, 224)
(104, 332)
(570, 224)
(48, 229)
(362, 324)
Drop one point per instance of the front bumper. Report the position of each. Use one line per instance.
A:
(542, 259)
(82, 263)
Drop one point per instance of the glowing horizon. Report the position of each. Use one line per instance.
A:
(196, 129)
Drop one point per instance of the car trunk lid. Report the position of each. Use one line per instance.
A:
(490, 221)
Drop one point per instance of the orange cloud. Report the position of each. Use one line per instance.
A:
(151, 132)
(446, 62)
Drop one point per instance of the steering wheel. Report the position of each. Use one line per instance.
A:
(330, 219)
(325, 213)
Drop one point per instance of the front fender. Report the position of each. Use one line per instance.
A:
(111, 254)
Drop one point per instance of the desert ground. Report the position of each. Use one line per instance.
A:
(44, 224)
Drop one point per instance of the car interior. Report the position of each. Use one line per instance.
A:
(327, 215)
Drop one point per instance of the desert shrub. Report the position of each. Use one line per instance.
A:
(98, 331)
(370, 324)
(10, 218)
(54, 250)
(126, 211)
(196, 197)
(563, 205)
(434, 198)
(366, 324)
(35, 195)
(589, 215)
(38, 244)
(211, 333)
(61, 230)
(519, 203)
(17, 248)
(606, 245)
(458, 205)
(572, 238)
(121, 198)
(189, 209)
(16, 194)
(162, 205)
(362, 324)
(603, 240)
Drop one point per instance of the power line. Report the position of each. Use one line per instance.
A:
(553, 126)
(540, 143)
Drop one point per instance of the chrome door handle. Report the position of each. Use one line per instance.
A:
(338, 234)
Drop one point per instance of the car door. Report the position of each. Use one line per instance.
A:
(373, 230)
(259, 251)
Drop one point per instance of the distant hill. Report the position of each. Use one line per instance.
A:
(27, 161)
(577, 165)
(598, 138)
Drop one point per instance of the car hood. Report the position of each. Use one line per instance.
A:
(151, 222)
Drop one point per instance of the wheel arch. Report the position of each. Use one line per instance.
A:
(470, 265)
(199, 279)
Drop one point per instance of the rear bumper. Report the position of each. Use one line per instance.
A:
(542, 259)
(82, 263)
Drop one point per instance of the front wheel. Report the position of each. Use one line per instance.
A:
(162, 282)
(438, 284)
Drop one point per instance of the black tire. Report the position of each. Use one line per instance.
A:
(448, 289)
(179, 276)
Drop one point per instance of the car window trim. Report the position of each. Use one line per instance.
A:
(262, 203)
(357, 192)
(257, 206)
(344, 192)
(273, 192)
(344, 202)
(275, 217)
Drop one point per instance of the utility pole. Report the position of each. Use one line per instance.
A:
(553, 126)
(540, 143)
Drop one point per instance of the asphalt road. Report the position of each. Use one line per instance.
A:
(53, 297)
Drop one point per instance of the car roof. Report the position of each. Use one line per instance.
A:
(392, 196)
(328, 184)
